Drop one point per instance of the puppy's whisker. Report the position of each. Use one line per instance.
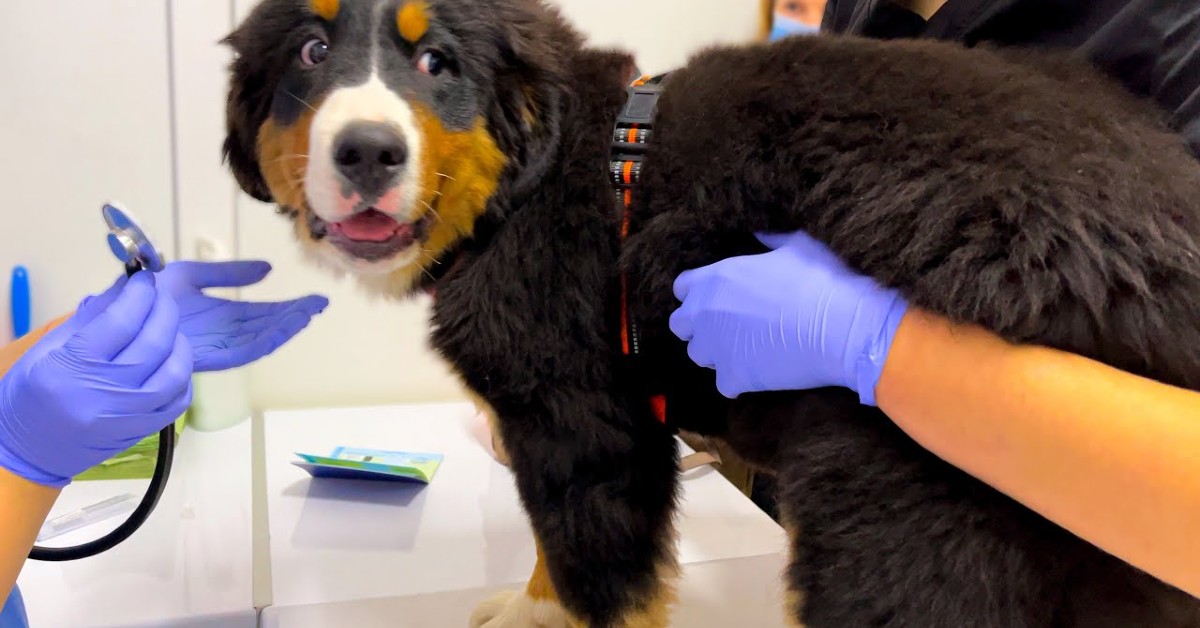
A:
(429, 253)
(429, 191)
(302, 101)
(426, 270)
(446, 176)
(284, 158)
(431, 209)
(294, 184)
(299, 175)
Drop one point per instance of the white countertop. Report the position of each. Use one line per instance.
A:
(737, 593)
(363, 548)
(361, 553)
(190, 564)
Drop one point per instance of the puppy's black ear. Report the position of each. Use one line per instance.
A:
(246, 110)
(532, 88)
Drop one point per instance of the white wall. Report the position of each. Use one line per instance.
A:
(663, 33)
(84, 118)
(127, 102)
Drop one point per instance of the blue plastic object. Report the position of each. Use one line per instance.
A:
(12, 614)
(20, 301)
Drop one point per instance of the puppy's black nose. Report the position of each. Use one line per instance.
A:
(370, 155)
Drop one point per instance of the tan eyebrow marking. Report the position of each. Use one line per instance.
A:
(327, 9)
(413, 20)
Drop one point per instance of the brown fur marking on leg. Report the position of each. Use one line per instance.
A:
(537, 606)
(653, 613)
(656, 613)
(540, 587)
(795, 608)
(654, 610)
(794, 598)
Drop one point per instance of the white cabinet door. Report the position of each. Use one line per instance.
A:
(205, 191)
(85, 116)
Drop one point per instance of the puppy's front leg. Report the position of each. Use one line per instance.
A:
(537, 606)
(600, 496)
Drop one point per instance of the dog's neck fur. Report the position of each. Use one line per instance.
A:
(551, 245)
(597, 85)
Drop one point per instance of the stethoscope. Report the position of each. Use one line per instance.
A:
(131, 245)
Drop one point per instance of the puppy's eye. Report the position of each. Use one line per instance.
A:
(314, 52)
(432, 63)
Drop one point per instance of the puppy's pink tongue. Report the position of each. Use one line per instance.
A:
(369, 226)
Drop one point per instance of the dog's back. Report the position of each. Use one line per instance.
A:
(1043, 204)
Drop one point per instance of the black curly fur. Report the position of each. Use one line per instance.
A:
(1012, 189)
(1016, 190)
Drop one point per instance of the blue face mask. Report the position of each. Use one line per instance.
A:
(785, 26)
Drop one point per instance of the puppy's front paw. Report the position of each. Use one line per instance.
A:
(518, 610)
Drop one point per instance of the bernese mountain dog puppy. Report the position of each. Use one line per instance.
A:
(462, 147)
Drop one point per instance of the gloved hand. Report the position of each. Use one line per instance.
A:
(794, 318)
(228, 334)
(114, 373)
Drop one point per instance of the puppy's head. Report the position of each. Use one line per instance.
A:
(384, 128)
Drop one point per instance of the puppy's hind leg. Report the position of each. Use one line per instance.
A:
(885, 533)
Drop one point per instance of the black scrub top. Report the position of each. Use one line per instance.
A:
(1151, 46)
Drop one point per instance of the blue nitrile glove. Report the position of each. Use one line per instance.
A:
(228, 334)
(794, 318)
(115, 372)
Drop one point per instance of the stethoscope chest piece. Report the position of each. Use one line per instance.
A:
(129, 243)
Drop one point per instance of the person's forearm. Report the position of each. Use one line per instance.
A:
(1107, 455)
(9, 354)
(24, 505)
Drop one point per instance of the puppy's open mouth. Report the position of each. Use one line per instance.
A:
(371, 235)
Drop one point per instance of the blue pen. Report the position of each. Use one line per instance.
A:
(20, 302)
